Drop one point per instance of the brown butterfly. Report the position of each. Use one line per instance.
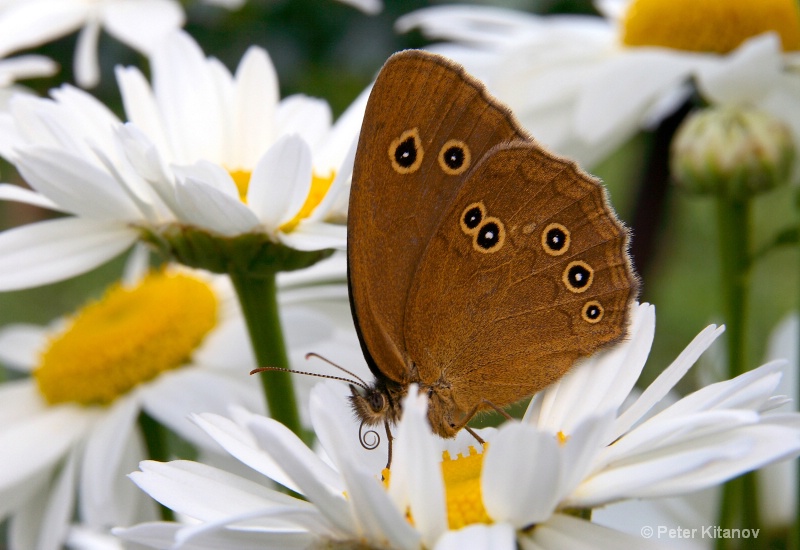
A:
(480, 265)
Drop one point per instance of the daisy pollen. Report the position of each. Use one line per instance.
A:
(709, 26)
(127, 337)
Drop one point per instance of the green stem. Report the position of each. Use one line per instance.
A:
(258, 298)
(740, 496)
(156, 439)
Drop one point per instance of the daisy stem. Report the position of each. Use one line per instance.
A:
(258, 298)
(739, 500)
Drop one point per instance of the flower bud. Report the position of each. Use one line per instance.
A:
(738, 151)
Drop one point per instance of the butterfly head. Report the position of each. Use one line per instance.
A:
(378, 403)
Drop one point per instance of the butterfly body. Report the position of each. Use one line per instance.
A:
(481, 266)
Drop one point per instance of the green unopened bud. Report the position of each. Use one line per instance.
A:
(737, 151)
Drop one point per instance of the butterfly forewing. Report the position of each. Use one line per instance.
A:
(426, 124)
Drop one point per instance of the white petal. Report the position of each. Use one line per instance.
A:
(11, 192)
(477, 536)
(21, 400)
(281, 181)
(747, 74)
(174, 395)
(103, 488)
(656, 391)
(305, 469)
(159, 534)
(26, 66)
(416, 470)
(241, 444)
(141, 107)
(308, 117)
(21, 344)
(626, 87)
(747, 391)
(142, 24)
(227, 347)
(39, 441)
(370, 7)
(569, 533)
(257, 93)
(43, 523)
(309, 235)
(54, 250)
(378, 519)
(206, 493)
(202, 205)
(27, 24)
(76, 185)
(521, 475)
(86, 64)
(187, 95)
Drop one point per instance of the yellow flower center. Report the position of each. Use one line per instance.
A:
(127, 337)
(319, 188)
(462, 485)
(709, 25)
(462, 482)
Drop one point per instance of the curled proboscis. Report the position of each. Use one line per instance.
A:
(369, 439)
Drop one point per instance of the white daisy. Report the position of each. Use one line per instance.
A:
(583, 85)
(170, 343)
(141, 25)
(574, 450)
(204, 152)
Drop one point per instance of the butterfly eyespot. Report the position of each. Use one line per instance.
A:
(555, 239)
(592, 312)
(454, 157)
(490, 236)
(406, 152)
(471, 217)
(578, 276)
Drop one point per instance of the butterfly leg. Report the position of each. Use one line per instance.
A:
(389, 439)
(475, 435)
(498, 409)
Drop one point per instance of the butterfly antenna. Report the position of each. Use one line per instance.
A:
(264, 369)
(341, 368)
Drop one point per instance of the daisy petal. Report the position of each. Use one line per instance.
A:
(304, 468)
(174, 395)
(203, 205)
(281, 181)
(656, 391)
(87, 66)
(23, 24)
(204, 492)
(75, 185)
(54, 250)
(517, 488)
(21, 344)
(477, 537)
(309, 235)
(9, 192)
(566, 532)
(256, 89)
(144, 23)
(156, 534)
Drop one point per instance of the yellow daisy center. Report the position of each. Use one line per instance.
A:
(319, 188)
(127, 337)
(462, 482)
(462, 485)
(718, 26)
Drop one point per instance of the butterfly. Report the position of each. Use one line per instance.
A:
(480, 265)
